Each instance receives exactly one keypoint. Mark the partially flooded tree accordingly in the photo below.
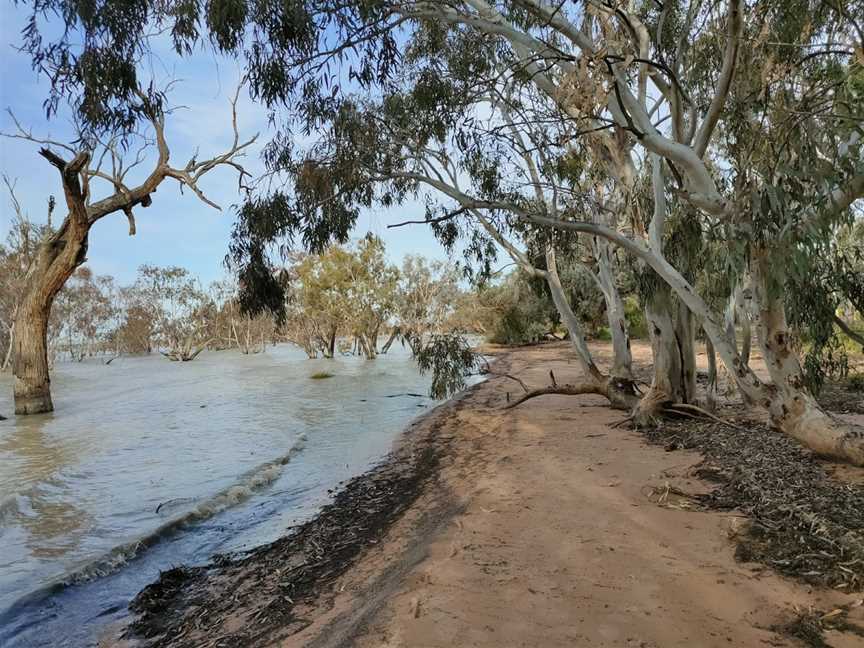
(424, 299)
(96, 183)
(180, 311)
(345, 291)
(228, 327)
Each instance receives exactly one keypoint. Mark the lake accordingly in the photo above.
(147, 464)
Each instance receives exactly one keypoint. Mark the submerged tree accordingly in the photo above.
(86, 169)
(424, 299)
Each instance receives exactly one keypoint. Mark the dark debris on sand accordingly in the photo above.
(803, 522)
(841, 397)
(809, 627)
(272, 583)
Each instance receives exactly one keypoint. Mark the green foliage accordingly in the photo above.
(450, 359)
(344, 291)
(519, 311)
(855, 382)
(635, 315)
(321, 375)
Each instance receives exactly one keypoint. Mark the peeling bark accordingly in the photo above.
(670, 326)
(792, 407)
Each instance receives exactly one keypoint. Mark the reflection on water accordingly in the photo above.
(181, 459)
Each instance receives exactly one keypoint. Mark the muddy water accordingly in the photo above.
(147, 464)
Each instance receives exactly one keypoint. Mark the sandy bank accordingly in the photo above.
(539, 526)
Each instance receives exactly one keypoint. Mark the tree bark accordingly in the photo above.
(671, 345)
(58, 257)
(331, 346)
(32, 390)
(685, 334)
(792, 407)
(8, 359)
(711, 388)
(622, 366)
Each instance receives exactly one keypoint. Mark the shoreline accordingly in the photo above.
(312, 555)
(547, 527)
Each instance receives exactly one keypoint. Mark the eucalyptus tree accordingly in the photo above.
(85, 311)
(425, 299)
(372, 290)
(95, 176)
(180, 310)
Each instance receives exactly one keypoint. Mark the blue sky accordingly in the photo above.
(177, 229)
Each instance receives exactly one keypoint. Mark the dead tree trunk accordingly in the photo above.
(63, 251)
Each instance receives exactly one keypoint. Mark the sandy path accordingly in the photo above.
(539, 533)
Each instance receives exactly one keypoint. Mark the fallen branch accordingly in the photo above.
(500, 375)
(564, 390)
(678, 407)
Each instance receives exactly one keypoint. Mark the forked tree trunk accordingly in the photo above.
(790, 404)
(618, 389)
(393, 335)
(58, 257)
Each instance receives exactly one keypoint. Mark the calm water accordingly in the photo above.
(147, 464)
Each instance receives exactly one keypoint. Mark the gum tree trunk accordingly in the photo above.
(670, 326)
(32, 381)
(58, 257)
(393, 335)
(790, 403)
(8, 359)
(685, 334)
(711, 388)
(618, 388)
(622, 366)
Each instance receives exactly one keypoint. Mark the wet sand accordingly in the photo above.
(531, 527)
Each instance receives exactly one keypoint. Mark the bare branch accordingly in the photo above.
(734, 27)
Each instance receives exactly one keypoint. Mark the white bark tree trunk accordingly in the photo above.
(622, 366)
(792, 407)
